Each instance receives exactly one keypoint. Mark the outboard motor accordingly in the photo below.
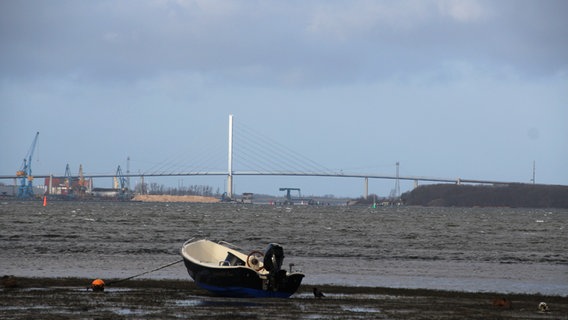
(273, 258)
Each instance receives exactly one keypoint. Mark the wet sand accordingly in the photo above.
(68, 298)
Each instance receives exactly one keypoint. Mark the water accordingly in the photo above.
(463, 249)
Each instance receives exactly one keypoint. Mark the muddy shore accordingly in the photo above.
(68, 298)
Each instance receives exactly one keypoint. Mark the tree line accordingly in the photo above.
(510, 195)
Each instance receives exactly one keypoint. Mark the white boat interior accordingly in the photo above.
(221, 255)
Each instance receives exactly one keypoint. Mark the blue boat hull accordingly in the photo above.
(243, 281)
(243, 292)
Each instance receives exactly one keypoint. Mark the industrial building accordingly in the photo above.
(67, 186)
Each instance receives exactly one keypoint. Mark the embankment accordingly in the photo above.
(169, 198)
(510, 195)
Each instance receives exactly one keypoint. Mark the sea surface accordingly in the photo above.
(507, 250)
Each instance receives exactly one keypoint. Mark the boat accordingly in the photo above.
(224, 270)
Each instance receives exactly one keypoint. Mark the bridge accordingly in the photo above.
(311, 169)
(365, 177)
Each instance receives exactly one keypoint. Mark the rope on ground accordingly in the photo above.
(143, 273)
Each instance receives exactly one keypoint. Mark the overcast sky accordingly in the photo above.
(470, 89)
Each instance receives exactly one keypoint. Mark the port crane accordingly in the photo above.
(68, 181)
(290, 200)
(289, 194)
(120, 183)
(82, 181)
(26, 190)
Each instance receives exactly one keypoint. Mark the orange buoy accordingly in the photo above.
(98, 285)
(502, 303)
(9, 282)
(44, 201)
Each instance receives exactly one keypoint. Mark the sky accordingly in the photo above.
(466, 89)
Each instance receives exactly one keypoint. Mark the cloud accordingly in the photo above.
(463, 10)
(364, 17)
(315, 43)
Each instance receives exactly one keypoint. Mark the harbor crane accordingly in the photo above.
(120, 183)
(25, 190)
(289, 195)
(68, 181)
(290, 200)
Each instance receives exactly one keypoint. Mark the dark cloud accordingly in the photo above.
(270, 43)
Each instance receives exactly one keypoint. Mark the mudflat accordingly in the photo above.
(69, 298)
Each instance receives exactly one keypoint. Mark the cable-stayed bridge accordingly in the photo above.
(251, 153)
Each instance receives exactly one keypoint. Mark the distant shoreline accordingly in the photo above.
(171, 198)
(515, 195)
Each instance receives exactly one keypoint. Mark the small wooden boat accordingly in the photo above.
(223, 270)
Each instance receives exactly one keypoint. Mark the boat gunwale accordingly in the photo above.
(211, 264)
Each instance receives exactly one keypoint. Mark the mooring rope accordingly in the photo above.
(143, 273)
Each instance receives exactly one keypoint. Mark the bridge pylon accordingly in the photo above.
(230, 160)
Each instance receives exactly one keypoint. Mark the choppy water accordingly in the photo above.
(476, 249)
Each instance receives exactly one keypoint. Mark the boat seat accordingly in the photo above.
(232, 260)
